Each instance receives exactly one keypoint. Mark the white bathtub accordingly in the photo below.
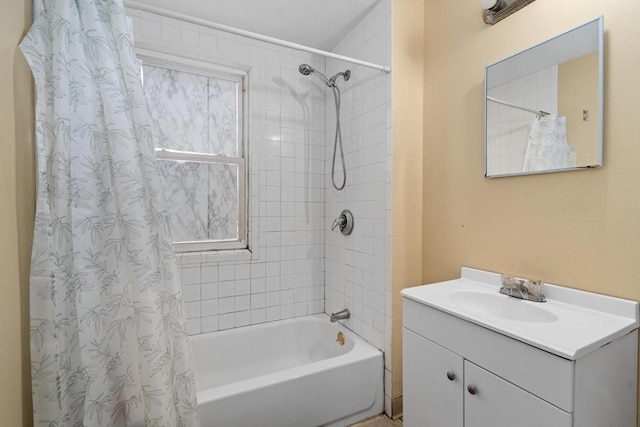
(290, 373)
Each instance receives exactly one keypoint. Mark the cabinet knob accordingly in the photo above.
(472, 389)
(451, 376)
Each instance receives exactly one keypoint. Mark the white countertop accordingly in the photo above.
(570, 324)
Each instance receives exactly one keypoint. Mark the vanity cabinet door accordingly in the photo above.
(491, 401)
(432, 384)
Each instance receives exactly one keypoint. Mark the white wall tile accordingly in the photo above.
(242, 303)
(272, 298)
(209, 291)
(243, 287)
(192, 309)
(226, 305)
(226, 272)
(191, 275)
(242, 271)
(209, 307)
(209, 324)
(286, 311)
(357, 270)
(209, 273)
(226, 289)
(242, 318)
(356, 264)
(193, 326)
(258, 301)
(258, 316)
(273, 313)
(191, 292)
(227, 321)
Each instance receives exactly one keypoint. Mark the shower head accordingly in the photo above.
(305, 69)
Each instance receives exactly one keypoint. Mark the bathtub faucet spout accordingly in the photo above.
(342, 314)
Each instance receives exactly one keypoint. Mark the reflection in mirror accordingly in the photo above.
(543, 107)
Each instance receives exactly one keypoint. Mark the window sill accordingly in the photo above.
(184, 258)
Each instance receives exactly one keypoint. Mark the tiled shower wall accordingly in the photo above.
(358, 266)
(283, 275)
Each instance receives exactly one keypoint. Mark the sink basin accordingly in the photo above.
(502, 306)
(570, 324)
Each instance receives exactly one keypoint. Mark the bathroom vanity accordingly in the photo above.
(473, 357)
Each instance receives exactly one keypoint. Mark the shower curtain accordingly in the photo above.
(547, 147)
(109, 345)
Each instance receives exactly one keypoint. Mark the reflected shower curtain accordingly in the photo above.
(109, 345)
(547, 147)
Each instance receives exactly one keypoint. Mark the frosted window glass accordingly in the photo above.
(202, 200)
(223, 117)
(223, 202)
(187, 198)
(194, 113)
(178, 103)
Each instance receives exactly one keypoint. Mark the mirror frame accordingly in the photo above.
(599, 24)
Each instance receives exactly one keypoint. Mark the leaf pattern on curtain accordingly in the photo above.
(109, 345)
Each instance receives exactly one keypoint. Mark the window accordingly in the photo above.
(201, 112)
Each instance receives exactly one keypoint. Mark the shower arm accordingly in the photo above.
(327, 81)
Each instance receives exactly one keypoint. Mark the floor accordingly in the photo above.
(379, 421)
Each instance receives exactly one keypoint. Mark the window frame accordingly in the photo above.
(171, 62)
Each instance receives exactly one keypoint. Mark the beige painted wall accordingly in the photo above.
(577, 91)
(408, 69)
(580, 229)
(17, 205)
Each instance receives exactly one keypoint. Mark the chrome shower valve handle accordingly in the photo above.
(344, 221)
(340, 221)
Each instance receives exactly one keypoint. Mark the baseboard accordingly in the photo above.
(396, 407)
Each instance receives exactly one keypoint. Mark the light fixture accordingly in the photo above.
(493, 5)
(497, 10)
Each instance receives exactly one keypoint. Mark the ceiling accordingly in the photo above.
(316, 23)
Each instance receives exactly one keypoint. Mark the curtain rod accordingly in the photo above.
(538, 113)
(255, 36)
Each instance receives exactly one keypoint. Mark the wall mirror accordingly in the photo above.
(544, 106)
